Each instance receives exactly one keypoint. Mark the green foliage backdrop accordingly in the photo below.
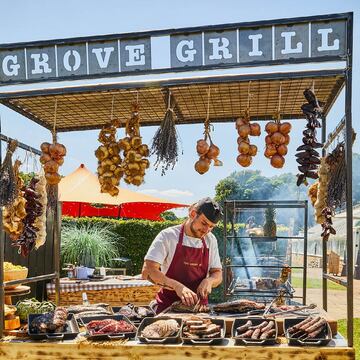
(133, 237)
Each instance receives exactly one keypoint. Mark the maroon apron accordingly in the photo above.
(189, 266)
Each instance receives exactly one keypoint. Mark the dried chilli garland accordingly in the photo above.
(165, 141)
(307, 156)
(34, 209)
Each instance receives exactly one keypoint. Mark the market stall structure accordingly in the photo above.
(319, 39)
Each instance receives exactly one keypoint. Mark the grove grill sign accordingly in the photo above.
(220, 46)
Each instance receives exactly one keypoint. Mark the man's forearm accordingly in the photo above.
(216, 278)
(158, 278)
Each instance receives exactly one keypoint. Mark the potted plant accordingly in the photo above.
(88, 245)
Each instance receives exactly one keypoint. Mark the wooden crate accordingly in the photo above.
(139, 295)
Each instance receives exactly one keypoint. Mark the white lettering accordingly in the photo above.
(40, 66)
(103, 61)
(325, 41)
(288, 49)
(187, 54)
(217, 48)
(77, 59)
(10, 69)
(136, 54)
(255, 45)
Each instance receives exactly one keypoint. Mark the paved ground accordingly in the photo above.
(336, 298)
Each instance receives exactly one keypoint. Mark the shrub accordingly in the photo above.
(87, 244)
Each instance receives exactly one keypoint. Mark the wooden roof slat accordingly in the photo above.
(228, 100)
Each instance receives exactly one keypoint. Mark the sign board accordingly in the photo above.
(235, 45)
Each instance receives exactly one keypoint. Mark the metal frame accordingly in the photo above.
(347, 122)
(55, 275)
(194, 29)
(234, 205)
(209, 79)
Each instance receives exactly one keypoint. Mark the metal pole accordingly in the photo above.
(224, 254)
(349, 209)
(2, 242)
(305, 250)
(56, 234)
(324, 243)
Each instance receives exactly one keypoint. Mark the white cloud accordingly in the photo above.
(174, 193)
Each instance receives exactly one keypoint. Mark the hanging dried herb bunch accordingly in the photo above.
(337, 176)
(8, 184)
(14, 214)
(165, 142)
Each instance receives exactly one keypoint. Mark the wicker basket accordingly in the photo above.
(19, 274)
(138, 295)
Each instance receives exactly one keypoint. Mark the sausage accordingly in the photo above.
(255, 334)
(268, 334)
(316, 325)
(246, 334)
(244, 327)
(313, 334)
(268, 327)
(310, 323)
(260, 326)
(296, 327)
(213, 335)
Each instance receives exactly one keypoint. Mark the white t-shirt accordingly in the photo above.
(163, 247)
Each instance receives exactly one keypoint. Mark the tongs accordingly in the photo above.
(292, 311)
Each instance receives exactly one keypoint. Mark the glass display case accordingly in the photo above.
(265, 249)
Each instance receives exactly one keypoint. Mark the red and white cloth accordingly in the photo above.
(67, 285)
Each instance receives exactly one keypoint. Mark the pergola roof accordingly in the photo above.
(90, 107)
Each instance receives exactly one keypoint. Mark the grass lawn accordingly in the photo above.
(296, 282)
(342, 331)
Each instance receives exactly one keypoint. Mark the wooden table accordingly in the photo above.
(71, 350)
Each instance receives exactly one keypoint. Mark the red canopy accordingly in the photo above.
(139, 210)
(81, 196)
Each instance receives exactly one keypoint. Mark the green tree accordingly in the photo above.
(169, 215)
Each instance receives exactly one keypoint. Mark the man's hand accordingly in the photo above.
(187, 296)
(205, 287)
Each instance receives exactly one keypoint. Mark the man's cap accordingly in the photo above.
(210, 208)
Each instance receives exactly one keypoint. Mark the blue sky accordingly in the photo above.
(40, 20)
